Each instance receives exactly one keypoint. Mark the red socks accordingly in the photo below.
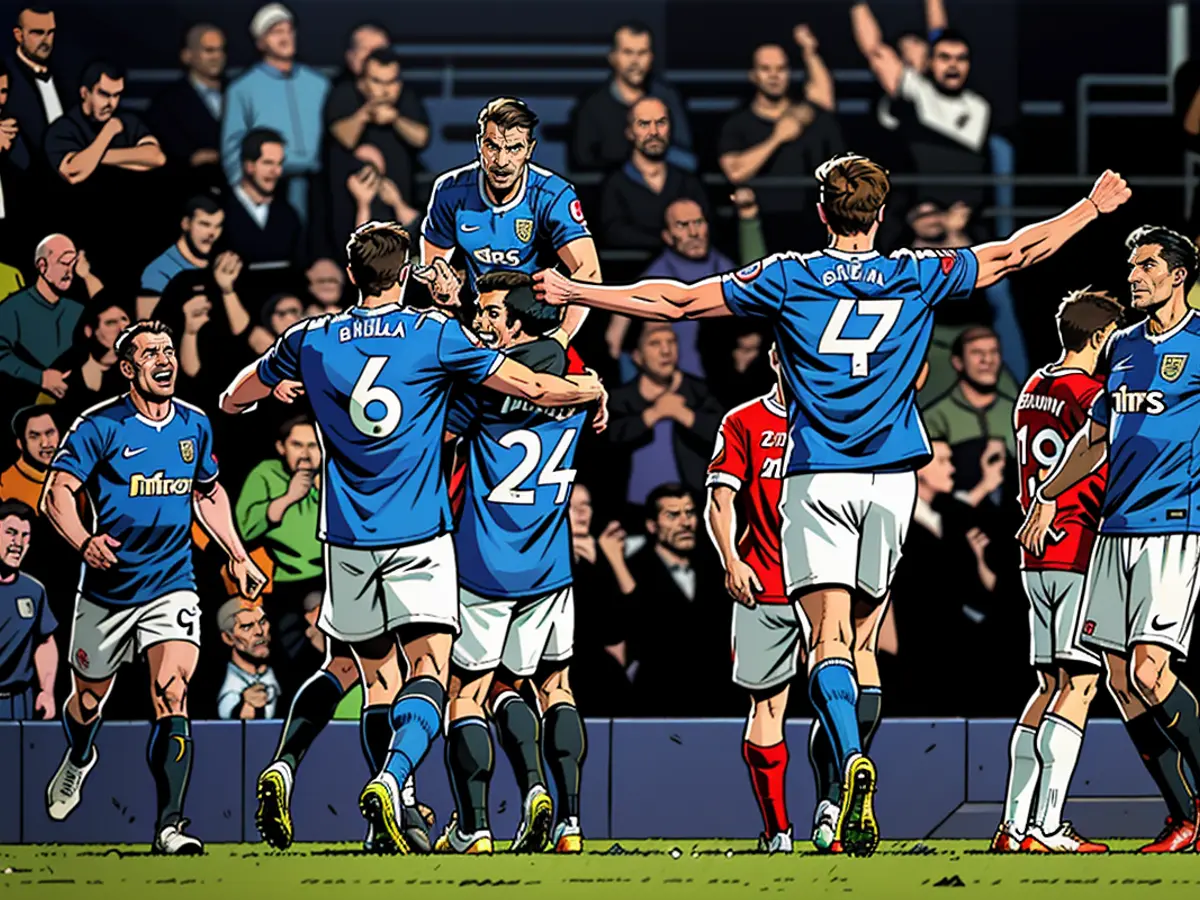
(768, 766)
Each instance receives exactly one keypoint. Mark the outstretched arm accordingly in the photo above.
(1034, 243)
(659, 300)
(883, 60)
(245, 391)
(936, 19)
(515, 378)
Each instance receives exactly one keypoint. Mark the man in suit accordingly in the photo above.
(38, 92)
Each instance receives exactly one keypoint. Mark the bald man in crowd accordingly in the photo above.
(186, 115)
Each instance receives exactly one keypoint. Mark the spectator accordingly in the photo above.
(28, 653)
(95, 134)
(945, 538)
(281, 95)
(37, 441)
(94, 374)
(201, 227)
(950, 128)
(599, 121)
(975, 417)
(635, 197)
(775, 136)
(666, 419)
(186, 115)
(279, 508)
(380, 111)
(678, 591)
(14, 174)
(250, 689)
(279, 313)
(326, 288)
(257, 228)
(364, 40)
(370, 195)
(38, 322)
(913, 48)
(210, 305)
(11, 280)
(938, 228)
(38, 92)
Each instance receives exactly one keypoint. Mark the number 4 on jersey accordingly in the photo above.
(859, 349)
(509, 490)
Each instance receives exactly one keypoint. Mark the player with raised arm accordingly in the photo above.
(502, 212)
(515, 600)
(378, 377)
(1045, 743)
(852, 328)
(1142, 585)
(145, 463)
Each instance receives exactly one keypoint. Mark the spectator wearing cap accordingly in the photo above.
(599, 120)
(28, 654)
(37, 323)
(634, 198)
(260, 227)
(279, 313)
(37, 438)
(250, 689)
(280, 94)
(201, 227)
(186, 115)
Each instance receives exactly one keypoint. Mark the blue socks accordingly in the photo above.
(833, 690)
(417, 719)
(80, 737)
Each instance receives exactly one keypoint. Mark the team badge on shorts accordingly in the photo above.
(25, 607)
(81, 659)
(1172, 366)
(187, 449)
(750, 272)
(524, 229)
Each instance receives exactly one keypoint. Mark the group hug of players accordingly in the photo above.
(450, 623)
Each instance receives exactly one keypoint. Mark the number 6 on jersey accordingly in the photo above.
(366, 392)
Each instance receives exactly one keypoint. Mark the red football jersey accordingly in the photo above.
(749, 458)
(1053, 406)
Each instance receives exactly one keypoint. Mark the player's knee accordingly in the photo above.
(344, 670)
(1147, 672)
(170, 690)
(769, 705)
(1081, 686)
(90, 700)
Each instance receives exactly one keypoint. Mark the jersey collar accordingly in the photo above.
(157, 426)
(1051, 371)
(481, 183)
(773, 405)
(1179, 326)
(849, 256)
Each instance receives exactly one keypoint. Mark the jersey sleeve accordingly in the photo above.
(563, 221)
(207, 469)
(438, 225)
(730, 464)
(946, 274)
(282, 361)
(82, 449)
(758, 290)
(458, 355)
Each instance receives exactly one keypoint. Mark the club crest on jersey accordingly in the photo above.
(187, 450)
(524, 228)
(947, 265)
(1172, 366)
(750, 272)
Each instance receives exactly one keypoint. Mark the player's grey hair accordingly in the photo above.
(228, 611)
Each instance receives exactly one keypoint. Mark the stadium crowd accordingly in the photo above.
(222, 212)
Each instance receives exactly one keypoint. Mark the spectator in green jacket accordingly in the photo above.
(278, 509)
(975, 417)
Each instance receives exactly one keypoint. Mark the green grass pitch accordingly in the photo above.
(941, 869)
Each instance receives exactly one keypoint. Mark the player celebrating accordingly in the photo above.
(144, 460)
(852, 328)
(514, 556)
(1140, 596)
(1045, 742)
(505, 213)
(378, 377)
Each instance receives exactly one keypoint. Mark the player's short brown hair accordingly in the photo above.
(502, 280)
(507, 113)
(378, 256)
(1083, 313)
(853, 190)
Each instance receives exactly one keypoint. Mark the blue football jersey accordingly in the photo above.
(1151, 408)
(513, 537)
(138, 476)
(378, 380)
(852, 330)
(522, 235)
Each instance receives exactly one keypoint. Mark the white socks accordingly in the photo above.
(1023, 770)
(1058, 743)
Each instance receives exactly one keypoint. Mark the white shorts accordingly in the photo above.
(516, 632)
(371, 592)
(103, 637)
(845, 528)
(766, 645)
(1055, 603)
(1141, 590)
